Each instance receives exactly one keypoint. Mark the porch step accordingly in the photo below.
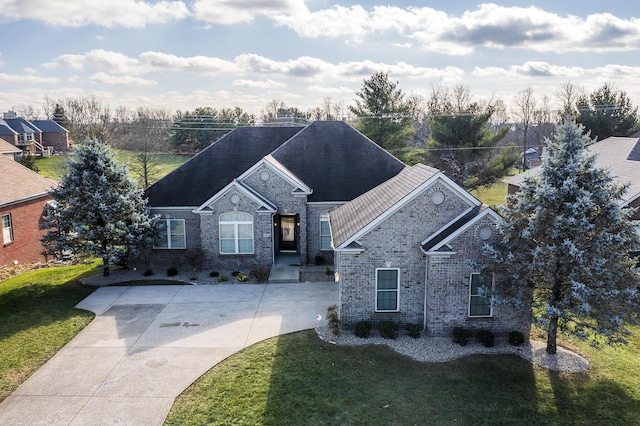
(284, 274)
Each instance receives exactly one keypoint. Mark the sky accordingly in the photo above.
(183, 54)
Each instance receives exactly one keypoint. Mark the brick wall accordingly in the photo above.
(59, 141)
(26, 218)
(313, 233)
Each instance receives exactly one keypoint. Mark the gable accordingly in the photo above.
(336, 161)
(215, 167)
(239, 189)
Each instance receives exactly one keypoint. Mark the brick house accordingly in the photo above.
(38, 137)
(23, 196)
(409, 251)
(405, 241)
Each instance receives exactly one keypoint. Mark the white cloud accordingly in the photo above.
(103, 78)
(229, 12)
(258, 84)
(111, 13)
(29, 79)
(198, 64)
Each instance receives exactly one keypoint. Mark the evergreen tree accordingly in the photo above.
(384, 114)
(608, 112)
(98, 209)
(29, 161)
(566, 241)
(463, 143)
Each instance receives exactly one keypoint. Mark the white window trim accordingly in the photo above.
(397, 291)
(324, 217)
(184, 237)
(9, 229)
(493, 283)
(235, 224)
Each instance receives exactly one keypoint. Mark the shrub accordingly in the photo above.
(214, 274)
(328, 272)
(516, 338)
(413, 330)
(486, 338)
(261, 273)
(461, 336)
(319, 260)
(222, 278)
(388, 329)
(235, 273)
(333, 320)
(148, 273)
(194, 256)
(363, 328)
(242, 277)
(172, 271)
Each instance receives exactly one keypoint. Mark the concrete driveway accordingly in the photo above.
(148, 343)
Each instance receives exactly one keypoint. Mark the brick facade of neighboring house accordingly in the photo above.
(425, 231)
(23, 196)
(36, 137)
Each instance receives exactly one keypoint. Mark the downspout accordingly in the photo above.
(426, 281)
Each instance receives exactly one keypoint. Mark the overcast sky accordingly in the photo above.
(225, 53)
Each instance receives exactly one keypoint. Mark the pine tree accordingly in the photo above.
(566, 241)
(98, 209)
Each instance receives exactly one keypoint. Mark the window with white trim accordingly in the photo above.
(480, 289)
(387, 290)
(7, 229)
(325, 231)
(171, 234)
(236, 233)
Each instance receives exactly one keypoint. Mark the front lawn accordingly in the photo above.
(297, 379)
(37, 318)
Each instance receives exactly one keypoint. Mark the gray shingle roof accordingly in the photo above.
(204, 175)
(336, 161)
(619, 155)
(19, 183)
(6, 147)
(5, 129)
(349, 219)
(49, 126)
(21, 125)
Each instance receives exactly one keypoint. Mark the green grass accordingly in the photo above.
(37, 318)
(53, 167)
(297, 379)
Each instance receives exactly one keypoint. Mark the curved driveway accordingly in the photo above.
(148, 343)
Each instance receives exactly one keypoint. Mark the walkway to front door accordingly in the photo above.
(286, 268)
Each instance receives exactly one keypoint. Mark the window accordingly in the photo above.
(387, 289)
(480, 287)
(172, 234)
(325, 231)
(7, 229)
(236, 233)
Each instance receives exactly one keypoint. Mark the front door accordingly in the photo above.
(288, 236)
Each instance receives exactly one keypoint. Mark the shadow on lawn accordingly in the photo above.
(314, 382)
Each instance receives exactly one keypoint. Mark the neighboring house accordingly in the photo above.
(409, 251)
(23, 196)
(8, 150)
(407, 240)
(261, 191)
(38, 137)
(621, 156)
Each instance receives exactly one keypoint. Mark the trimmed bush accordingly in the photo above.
(486, 338)
(333, 320)
(261, 273)
(222, 278)
(362, 329)
(172, 271)
(214, 274)
(413, 330)
(242, 277)
(388, 329)
(235, 273)
(461, 336)
(148, 273)
(516, 338)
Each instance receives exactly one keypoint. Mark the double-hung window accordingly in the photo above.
(480, 288)
(236, 233)
(325, 231)
(171, 234)
(387, 290)
(7, 229)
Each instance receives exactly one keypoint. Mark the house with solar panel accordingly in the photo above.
(405, 242)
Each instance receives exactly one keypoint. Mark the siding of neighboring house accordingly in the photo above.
(26, 217)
